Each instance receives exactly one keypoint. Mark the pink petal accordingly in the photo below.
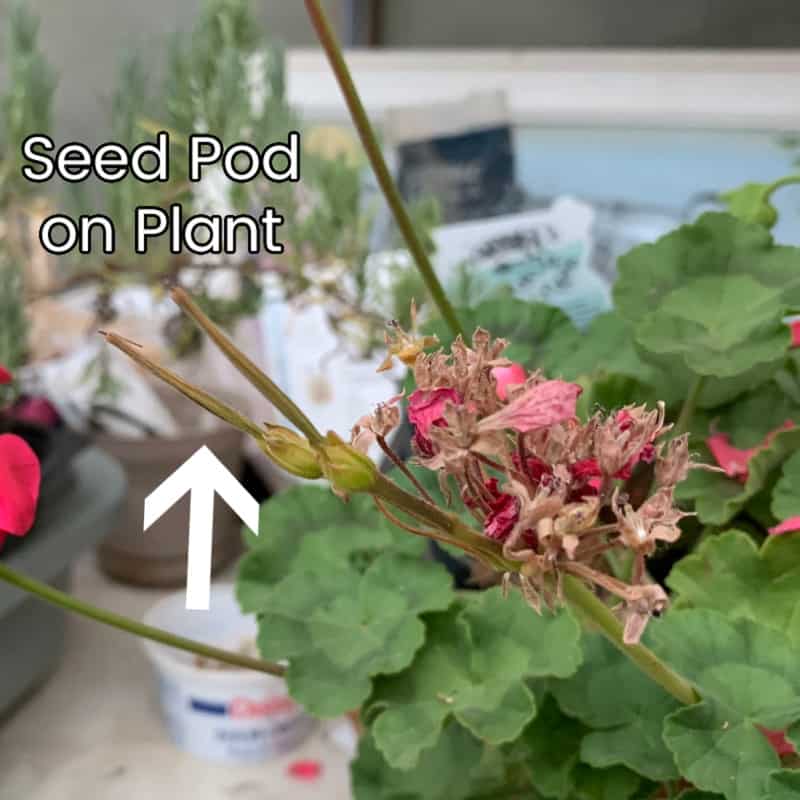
(795, 326)
(20, 476)
(36, 410)
(506, 377)
(425, 408)
(732, 459)
(306, 770)
(787, 526)
(778, 740)
(544, 404)
(5, 376)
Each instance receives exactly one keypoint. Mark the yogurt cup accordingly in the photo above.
(226, 715)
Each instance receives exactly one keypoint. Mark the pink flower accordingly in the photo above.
(506, 377)
(541, 406)
(5, 376)
(735, 460)
(778, 741)
(787, 526)
(426, 409)
(37, 411)
(20, 476)
(795, 326)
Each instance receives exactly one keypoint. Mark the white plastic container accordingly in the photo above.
(231, 715)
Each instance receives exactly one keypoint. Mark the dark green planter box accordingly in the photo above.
(31, 631)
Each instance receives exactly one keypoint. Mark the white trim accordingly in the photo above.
(753, 89)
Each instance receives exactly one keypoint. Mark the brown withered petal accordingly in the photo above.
(641, 604)
(674, 465)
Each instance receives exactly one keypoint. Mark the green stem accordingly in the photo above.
(595, 611)
(248, 369)
(781, 182)
(333, 50)
(63, 600)
(456, 531)
(689, 405)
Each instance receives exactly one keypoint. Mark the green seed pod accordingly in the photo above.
(291, 452)
(348, 469)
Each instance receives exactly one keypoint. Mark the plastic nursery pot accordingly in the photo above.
(65, 526)
(216, 712)
(158, 557)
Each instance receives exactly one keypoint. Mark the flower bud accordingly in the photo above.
(291, 452)
(345, 467)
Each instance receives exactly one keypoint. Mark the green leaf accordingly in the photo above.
(750, 203)
(339, 627)
(716, 245)
(539, 334)
(730, 574)
(784, 785)
(444, 772)
(626, 725)
(552, 743)
(606, 346)
(616, 783)
(719, 327)
(696, 794)
(786, 497)
(747, 675)
(472, 668)
(756, 414)
(719, 751)
(335, 532)
(718, 498)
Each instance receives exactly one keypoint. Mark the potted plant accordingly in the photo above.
(568, 687)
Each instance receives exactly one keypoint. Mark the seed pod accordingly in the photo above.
(345, 467)
(291, 452)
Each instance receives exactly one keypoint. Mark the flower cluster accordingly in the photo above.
(552, 490)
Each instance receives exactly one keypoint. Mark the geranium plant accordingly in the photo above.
(556, 681)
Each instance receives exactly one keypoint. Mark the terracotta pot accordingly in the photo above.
(158, 557)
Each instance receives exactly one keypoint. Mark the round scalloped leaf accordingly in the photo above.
(719, 751)
(339, 627)
(472, 668)
(730, 574)
(716, 245)
(719, 327)
(747, 675)
(552, 745)
(625, 726)
(445, 772)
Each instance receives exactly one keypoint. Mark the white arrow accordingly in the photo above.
(201, 475)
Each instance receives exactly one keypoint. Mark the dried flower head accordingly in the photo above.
(549, 488)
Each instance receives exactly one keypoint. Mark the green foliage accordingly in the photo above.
(472, 668)
(786, 496)
(625, 727)
(340, 599)
(26, 106)
(747, 676)
(730, 574)
(718, 498)
(14, 327)
(750, 203)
